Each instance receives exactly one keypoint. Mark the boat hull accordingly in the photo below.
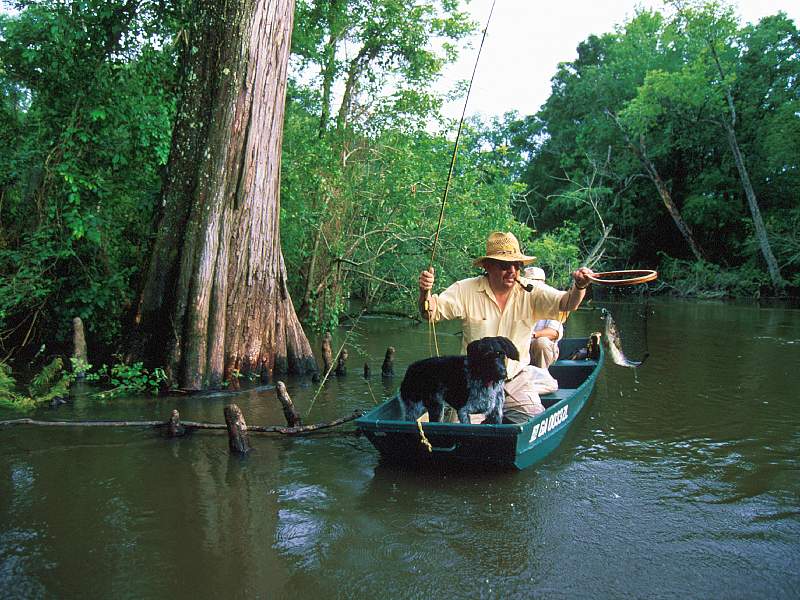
(513, 446)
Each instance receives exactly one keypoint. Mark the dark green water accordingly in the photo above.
(679, 481)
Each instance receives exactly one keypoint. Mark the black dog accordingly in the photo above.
(470, 384)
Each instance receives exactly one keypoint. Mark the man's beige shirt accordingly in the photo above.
(473, 301)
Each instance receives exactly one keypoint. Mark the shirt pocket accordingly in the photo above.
(475, 329)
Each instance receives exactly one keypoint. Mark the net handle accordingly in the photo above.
(630, 277)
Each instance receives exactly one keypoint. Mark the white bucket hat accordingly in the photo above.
(535, 273)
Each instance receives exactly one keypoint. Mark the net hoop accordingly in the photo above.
(630, 277)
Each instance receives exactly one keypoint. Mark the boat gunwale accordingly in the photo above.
(488, 430)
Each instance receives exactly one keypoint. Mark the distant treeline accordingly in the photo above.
(639, 158)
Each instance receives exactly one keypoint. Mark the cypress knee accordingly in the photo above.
(327, 353)
(238, 439)
(79, 352)
(292, 418)
(341, 367)
(388, 363)
(174, 427)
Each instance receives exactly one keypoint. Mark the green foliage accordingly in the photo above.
(8, 396)
(89, 97)
(360, 200)
(50, 383)
(127, 379)
(366, 230)
(395, 49)
(673, 83)
(53, 381)
(706, 280)
(559, 254)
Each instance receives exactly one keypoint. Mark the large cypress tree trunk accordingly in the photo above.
(215, 300)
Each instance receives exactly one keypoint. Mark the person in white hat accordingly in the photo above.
(496, 304)
(546, 332)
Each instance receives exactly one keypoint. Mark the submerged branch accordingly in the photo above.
(188, 425)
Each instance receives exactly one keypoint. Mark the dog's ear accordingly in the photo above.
(508, 347)
(472, 347)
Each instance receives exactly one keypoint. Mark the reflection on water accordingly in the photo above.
(679, 479)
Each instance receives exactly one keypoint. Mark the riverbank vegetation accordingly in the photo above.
(670, 143)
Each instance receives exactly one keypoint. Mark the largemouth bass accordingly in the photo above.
(614, 344)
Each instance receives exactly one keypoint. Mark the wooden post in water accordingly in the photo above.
(174, 427)
(366, 370)
(341, 367)
(327, 353)
(79, 352)
(292, 418)
(238, 440)
(388, 363)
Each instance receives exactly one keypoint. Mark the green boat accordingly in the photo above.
(507, 445)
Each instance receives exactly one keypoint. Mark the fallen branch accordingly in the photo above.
(188, 425)
(301, 429)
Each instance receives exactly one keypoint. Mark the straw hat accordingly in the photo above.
(503, 245)
(535, 273)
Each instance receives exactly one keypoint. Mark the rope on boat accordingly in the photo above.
(423, 439)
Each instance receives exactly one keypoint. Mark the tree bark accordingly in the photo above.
(652, 173)
(174, 427)
(327, 352)
(238, 440)
(761, 231)
(215, 299)
(387, 370)
(289, 411)
(341, 362)
(354, 70)
(666, 198)
(79, 351)
(729, 125)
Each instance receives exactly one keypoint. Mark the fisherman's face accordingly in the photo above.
(502, 275)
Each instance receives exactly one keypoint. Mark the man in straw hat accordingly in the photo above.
(496, 305)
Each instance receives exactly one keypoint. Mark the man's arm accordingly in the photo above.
(572, 300)
(546, 332)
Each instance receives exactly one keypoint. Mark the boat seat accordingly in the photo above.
(549, 399)
(572, 363)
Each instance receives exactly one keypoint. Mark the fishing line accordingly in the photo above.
(458, 136)
(334, 361)
(432, 326)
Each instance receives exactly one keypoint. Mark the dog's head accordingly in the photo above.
(487, 358)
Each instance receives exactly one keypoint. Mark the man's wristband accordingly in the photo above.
(577, 287)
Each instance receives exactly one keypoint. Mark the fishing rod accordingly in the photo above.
(450, 171)
(458, 137)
